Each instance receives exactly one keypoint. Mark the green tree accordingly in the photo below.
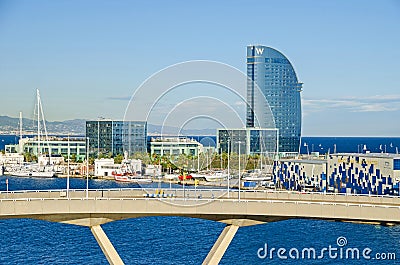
(252, 162)
(27, 157)
(118, 159)
(145, 157)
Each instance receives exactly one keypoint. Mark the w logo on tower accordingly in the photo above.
(259, 51)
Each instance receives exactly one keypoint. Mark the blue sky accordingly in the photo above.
(85, 56)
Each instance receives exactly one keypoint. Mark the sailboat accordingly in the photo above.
(35, 169)
(264, 173)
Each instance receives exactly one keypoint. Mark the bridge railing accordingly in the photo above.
(198, 202)
(199, 194)
(205, 189)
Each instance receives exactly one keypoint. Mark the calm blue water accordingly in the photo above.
(349, 144)
(325, 144)
(176, 240)
(315, 144)
(8, 139)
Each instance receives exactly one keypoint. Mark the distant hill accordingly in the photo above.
(9, 125)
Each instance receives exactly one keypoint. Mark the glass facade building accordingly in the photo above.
(251, 140)
(115, 137)
(272, 72)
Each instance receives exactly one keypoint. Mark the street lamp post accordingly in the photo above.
(87, 169)
(229, 169)
(239, 142)
(183, 184)
(68, 168)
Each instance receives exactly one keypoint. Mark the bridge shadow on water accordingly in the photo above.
(178, 240)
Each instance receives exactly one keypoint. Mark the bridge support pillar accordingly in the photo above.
(106, 245)
(221, 245)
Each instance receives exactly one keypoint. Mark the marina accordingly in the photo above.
(199, 132)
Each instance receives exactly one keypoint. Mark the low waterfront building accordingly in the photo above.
(297, 174)
(116, 137)
(369, 173)
(107, 167)
(250, 141)
(175, 146)
(364, 173)
(53, 145)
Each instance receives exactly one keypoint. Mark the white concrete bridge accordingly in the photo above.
(95, 207)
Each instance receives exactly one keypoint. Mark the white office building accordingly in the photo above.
(175, 146)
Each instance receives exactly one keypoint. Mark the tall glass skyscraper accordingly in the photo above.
(272, 72)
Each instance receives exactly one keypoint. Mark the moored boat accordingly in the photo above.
(30, 170)
(36, 174)
(216, 176)
(124, 177)
(257, 178)
(171, 177)
(210, 176)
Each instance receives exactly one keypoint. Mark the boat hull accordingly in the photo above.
(132, 179)
(32, 174)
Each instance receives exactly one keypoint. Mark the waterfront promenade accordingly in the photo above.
(92, 208)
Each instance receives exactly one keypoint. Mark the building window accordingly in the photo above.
(396, 164)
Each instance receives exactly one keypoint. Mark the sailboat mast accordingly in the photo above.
(20, 125)
(261, 152)
(45, 130)
(38, 121)
(68, 157)
(198, 158)
(20, 132)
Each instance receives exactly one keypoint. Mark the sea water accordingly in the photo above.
(178, 240)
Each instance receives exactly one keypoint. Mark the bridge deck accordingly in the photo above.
(95, 207)
(254, 206)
